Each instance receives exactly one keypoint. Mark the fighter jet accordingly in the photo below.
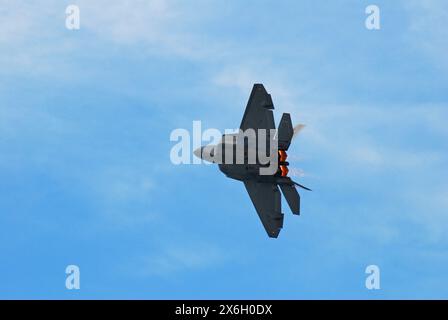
(262, 186)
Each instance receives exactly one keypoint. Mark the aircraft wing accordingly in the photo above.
(267, 201)
(258, 113)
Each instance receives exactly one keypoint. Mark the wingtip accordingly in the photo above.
(274, 234)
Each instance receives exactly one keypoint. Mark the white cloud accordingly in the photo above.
(180, 259)
(427, 29)
(152, 25)
(124, 183)
(428, 208)
(349, 136)
(378, 136)
(121, 191)
(36, 40)
(20, 20)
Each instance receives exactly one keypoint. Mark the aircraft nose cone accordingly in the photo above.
(198, 152)
(205, 153)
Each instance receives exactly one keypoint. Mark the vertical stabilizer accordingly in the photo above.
(285, 132)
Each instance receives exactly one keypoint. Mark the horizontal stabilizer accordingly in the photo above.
(292, 197)
(266, 198)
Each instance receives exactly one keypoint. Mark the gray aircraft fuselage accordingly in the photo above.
(259, 163)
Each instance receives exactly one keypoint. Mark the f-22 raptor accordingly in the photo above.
(263, 187)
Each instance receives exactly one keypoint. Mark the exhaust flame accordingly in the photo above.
(283, 165)
(282, 155)
(284, 170)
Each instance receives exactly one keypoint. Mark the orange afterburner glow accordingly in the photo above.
(282, 161)
(284, 170)
(282, 155)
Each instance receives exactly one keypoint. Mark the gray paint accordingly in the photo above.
(263, 190)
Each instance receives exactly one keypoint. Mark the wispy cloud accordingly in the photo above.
(378, 167)
(179, 259)
(427, 28)
(153, 26)
(359, 133)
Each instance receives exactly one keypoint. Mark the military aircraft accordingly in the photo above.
(262, 186)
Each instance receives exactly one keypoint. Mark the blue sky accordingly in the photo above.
(85, 174)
